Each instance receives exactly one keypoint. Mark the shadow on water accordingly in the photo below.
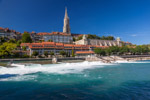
(131, 90)
(7, 76)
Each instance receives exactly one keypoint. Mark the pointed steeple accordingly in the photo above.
(66, 28)
(66, 14)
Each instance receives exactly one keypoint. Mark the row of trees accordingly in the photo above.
(124, 50)
(91, 36)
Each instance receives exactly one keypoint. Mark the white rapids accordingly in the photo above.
(61, 68)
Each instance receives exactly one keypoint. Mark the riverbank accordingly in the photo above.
(104, 59)
(113, 59)
(37, 59)
(5, 62)
(136, 57)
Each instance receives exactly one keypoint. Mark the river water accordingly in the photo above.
(76, 81)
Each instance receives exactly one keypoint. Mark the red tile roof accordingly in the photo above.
(68, 45)
(1, 28)
(56, 45)
(53, 33)
(84, 52)
(59, 44)
(48, 42)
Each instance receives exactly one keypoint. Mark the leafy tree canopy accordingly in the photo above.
(26, 38)
(51, 53)
(6, 49)
(35, 53)
(46, 53)
(62, 53)
(91, 36)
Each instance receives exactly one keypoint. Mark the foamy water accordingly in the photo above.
(61, 68)
(93, 80)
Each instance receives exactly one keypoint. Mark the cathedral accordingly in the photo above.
(67, 37)
(58, 41)
(59, 37)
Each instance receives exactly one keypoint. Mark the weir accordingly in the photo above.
(104, 59)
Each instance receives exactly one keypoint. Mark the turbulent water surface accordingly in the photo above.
(73, 81)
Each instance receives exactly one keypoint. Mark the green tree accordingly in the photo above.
(138, 50)
(110, 38)
(50, 40)
(12, 41)
(16, 54)
(72, 53)
(25, 56)
(132, 51)
(46, 53)
(91, 36)
(62, 53)
(18, 43)
(107, 38)
(51, 53)
(100, 51)
(2, 40)
(79, 38)
(24, 48)
(6, 50)
(124, 50)
(26, 38)
(74, 39)
(145, 49)
(35, 53)
(108, 51)
(103, 38)
(114, 49)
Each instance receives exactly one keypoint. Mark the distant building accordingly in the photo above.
(35, 37)
(84, 53)
(57, 47)
(56, 37)
(98, 42)
(10, 34)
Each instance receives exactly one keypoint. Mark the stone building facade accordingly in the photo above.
(58, 37)
(98, 42)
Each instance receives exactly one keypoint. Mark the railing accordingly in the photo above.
(134, 56)
(32, 59)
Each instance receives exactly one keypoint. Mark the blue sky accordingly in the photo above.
(128, 19)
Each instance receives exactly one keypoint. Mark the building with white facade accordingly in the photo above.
(59, 37)
(98, 42)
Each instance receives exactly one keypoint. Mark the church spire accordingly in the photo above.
(66, 14)
(66, 28)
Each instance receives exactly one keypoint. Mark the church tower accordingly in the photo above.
(66, 28)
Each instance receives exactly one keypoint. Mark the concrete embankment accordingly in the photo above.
(136, 57)
(109, 59)
(36, 59)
